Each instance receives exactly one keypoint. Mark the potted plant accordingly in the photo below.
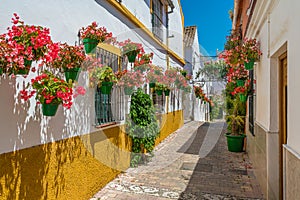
(70, 59)
(243, 91)
(131, 49)
(153, 75)
(92, 35)
(232, 54)
(159, 88)
(141, 126)
(239, 75)
(181, 83)
(143, 59)
(251, 52)
(235, 139)
(131, 80)
(51, 91)
(3, 50)
(103, 77)
(27, 43)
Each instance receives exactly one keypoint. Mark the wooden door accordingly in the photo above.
(282, 114)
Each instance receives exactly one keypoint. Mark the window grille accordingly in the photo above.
(251, 105)
(110, 107)
(157, 19)
(158, 102)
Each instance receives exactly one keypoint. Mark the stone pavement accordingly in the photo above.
(192, 163)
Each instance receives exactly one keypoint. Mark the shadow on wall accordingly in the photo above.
(38, 172)
(23, 124)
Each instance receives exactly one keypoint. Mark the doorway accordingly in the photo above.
(283, 102)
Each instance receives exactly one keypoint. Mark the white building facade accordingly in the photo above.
(24, 129)
(194, 108)
(274, 146)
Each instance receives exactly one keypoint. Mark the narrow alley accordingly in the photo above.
(192, 163)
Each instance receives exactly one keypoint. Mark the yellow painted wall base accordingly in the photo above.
(169, 123)
(74, 168)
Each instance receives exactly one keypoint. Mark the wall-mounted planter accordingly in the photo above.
(72, 74)
(249, 65)
(106, 87)
(89, 44)
(49, 109)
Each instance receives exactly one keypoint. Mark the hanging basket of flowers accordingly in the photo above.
(131, 49)
(51, 91)
(251, 52)
(131, 80)
(25, 44)
(103, 77)
(92, 35)
(70, 60)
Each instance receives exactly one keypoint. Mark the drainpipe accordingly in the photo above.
(167, 43)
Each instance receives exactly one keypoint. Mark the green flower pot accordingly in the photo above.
(128, 90)
(106, 87)
(249, 65)
(243, 98)
(151, 85)
(49, 109)
(72, 74)
(1, 70)
(235, 143)
(131, 56)
(240, 82)
(167, 92)
(159, 92)
(90, 44)
(24, 71)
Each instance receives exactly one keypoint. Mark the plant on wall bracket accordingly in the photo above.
(142, 127)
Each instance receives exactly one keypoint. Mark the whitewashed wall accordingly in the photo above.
(194, 108)
(22, 124)
(142, 12)
(283, 28)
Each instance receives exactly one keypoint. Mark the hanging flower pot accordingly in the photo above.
(128, 90)
(167, 92)
(243, 98)
(151, 85)
(240, 82)
(159, 92)
(49, 109)
(90, 44)
(131, 55)
(106, 87)
(249, 65)
(72, 73)
(25, 70)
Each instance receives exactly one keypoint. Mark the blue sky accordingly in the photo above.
(212, 20)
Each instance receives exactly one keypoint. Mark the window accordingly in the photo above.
(158, 102)
(110, 108)
(157, 19)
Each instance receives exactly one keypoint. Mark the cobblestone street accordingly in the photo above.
(192, 163)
